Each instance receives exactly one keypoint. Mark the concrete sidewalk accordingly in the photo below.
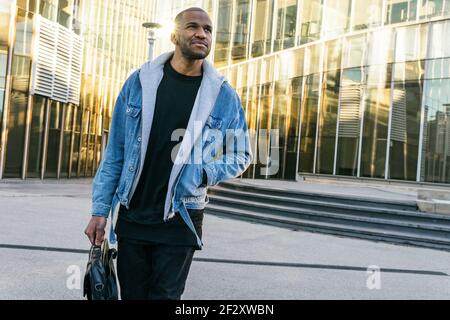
(240, 260)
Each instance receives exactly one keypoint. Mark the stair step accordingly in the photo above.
(338, 218)
(367, 201)
(335, 207)
(377, 234)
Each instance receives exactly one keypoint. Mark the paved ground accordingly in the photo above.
(240, 260)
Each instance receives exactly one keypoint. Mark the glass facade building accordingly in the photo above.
(352, 88)
(357, 88)
(44, 134)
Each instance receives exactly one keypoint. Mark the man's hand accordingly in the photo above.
(96, 230)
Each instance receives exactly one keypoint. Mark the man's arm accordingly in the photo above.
(108, 174)
(231, 164)
(107, 177)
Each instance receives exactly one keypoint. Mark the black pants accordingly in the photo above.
(152, 271)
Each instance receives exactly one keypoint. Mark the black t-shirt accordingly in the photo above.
(144, 220)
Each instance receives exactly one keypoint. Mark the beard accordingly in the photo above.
(191, 54)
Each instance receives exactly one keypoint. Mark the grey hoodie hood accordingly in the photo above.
(151, 74)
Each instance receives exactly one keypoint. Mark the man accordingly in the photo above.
(161, 184)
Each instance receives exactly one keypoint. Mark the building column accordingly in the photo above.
(8, 87)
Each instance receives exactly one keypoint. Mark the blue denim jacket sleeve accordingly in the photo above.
(232, 164)
(106, 179)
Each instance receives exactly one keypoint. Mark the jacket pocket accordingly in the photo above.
(214, 122)
(212, 138)
(133, 111)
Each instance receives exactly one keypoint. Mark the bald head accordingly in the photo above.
(192, 35)
(180, 18)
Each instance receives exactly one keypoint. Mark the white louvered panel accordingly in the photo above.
(62, 67)
(45, 57)
(349, 112)
(57, 66)
(76, 64)
(398, 126)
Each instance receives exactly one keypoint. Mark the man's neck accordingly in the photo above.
(185, 66)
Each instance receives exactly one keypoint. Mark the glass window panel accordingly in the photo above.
(313, 59)
(375, 129)
(381, 47)
(242, 74)
(431, 8)
(37, 133)
(354, 51)
(54, 135)
(28, 5)
(265, 114)
(327, 122)
(336, 17)
(223, 35)
(24, 32)
(232, 75)
(311, 21)
(437, 68)
(251, 114)
(293, 129)
(446, 9)
(411, 43)
(286, 24)
(367, 14)
(409, 71)
(280, 122)
(401, 11)
(440, 46)
(65, 8)
(309, 124)
(262, 31)
(16, 134)
(405, 130)
(3, 64)
(48, 9)
(240, 35)
(349, 122)
(98, 154)
(290, 64)
(67, 138)
(436, 140)
(4, 25)
(267, 70)
(77, 17)
(333, 54)
(20, 72)
(84, 143)
(91, 144)
(76, 142)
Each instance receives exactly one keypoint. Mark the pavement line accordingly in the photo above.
(38, 248)
(246, 262)
(320, 266)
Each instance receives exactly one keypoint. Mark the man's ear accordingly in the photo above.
(174, 38)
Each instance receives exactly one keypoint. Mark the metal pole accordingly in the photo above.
(151, 26)
(151, 43)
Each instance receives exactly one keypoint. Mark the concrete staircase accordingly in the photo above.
(345, 215)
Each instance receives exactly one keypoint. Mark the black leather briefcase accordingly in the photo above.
(100, 282)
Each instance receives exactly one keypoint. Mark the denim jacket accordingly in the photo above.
(217, 121)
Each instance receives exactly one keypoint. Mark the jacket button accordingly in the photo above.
(131, 169)
(128, 110)
(139, 139)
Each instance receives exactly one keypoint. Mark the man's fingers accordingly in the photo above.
(90, 234)
(99, 233)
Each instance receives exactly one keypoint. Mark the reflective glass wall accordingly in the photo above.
(45, 138)
(358, 88)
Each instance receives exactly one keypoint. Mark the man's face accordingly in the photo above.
(194, 35)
